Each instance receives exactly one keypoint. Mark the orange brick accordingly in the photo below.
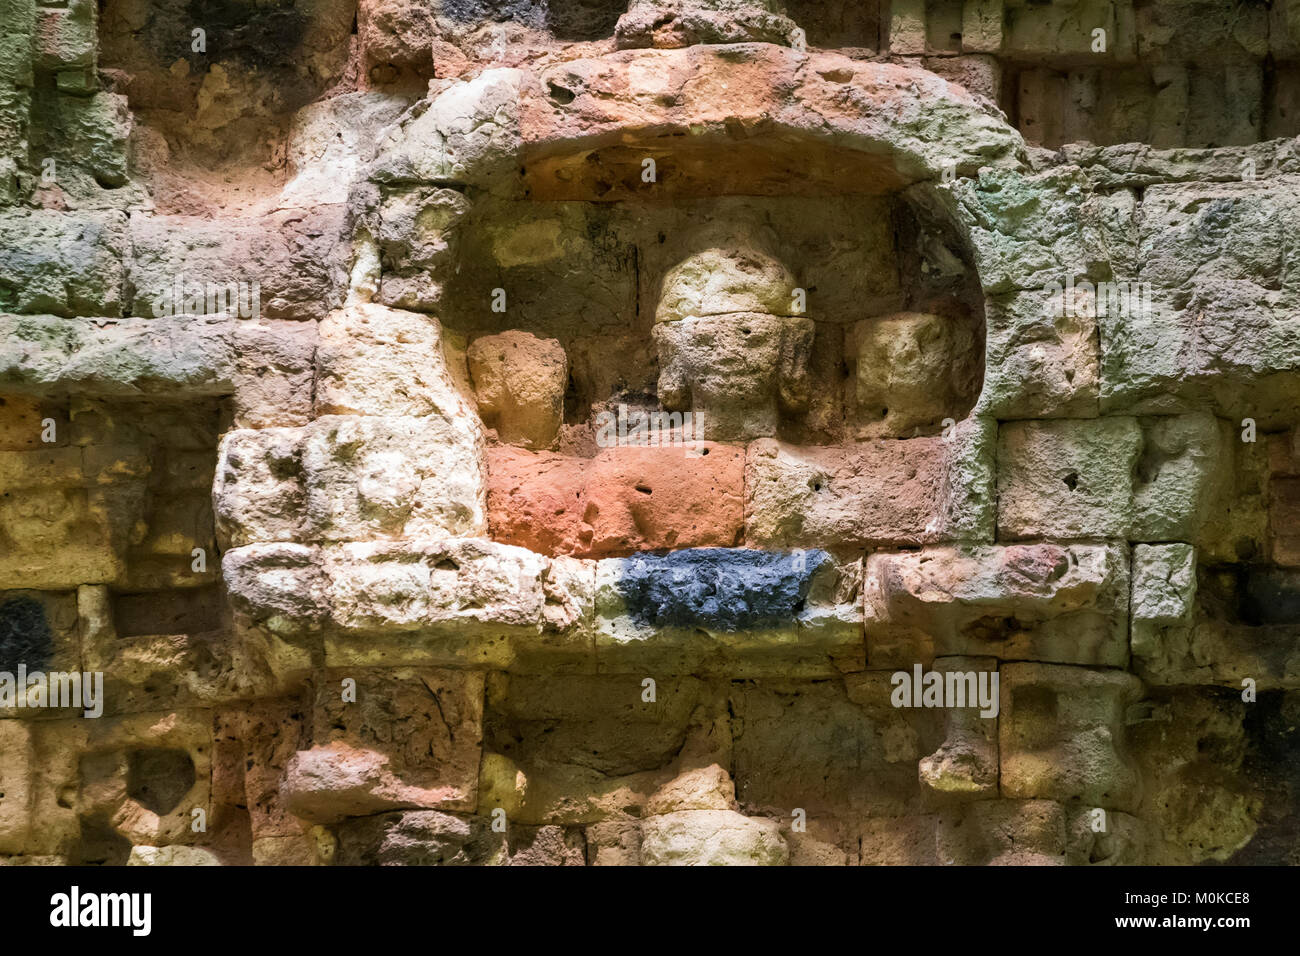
(622, 501)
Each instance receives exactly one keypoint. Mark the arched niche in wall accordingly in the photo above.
(650, 176)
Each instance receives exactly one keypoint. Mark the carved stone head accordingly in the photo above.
(731, 348)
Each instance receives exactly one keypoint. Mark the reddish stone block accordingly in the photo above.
(622, 501)
(1284, 521)
(1284, 453)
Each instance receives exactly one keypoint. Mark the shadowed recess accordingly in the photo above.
(159, 778)
(24, 635)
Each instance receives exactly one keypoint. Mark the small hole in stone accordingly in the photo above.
(1071, 480)
(561, 95)
(159, 778)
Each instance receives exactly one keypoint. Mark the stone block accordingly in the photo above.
(62, 533)
(625, 500)
(1067, 479)
(719, 608)
(1049, 602)
(330, 143)
(16, 758)
(584, 749)
(467, 134)
(1164, 592)
(1220, 328)
(373, 360)
(913, 371)
(1178, 477)
(1042, 357)
(981, 26)
(1243, 628)
(65, 36)
(520, 381)
(1063, 735)
(172, 856)
(394, 477)
(1003, 833)
(907, 27)
(64, 264)
(285, 398)
(94, 134)
(455, 602)
(279, 586)
(834, 749)
(711, 838)
(1022, 228)
(141, 775)
(685, 23)
(1199, 799)
(899, 841)
(614, 843)
(293, 256)
(258, 492)
(39, 629)
(253, 743)
(410, 740)
(965, 766)
(418, 838)
(417, 234)
(870, 493)
(1284, 520)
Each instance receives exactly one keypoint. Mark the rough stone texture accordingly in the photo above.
(1164, 593)
(408, 739)
(182, 357)
(872, 493)
(62, 263)
(1042, 357)
(377, 361)
(1062, 735)
(357, 477)
(519, 381)
(1048, 602)
(1222, 327)
(1065, 479)
(293, 256)
(966, 764)
(622, 501)
(910, 372)
(730, 349)
(706, 608)
(711, 838)
(615, 400)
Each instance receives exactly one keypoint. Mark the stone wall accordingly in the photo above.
(608, 432)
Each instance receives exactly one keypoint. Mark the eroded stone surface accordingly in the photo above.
(1048, 602)
(622, 501)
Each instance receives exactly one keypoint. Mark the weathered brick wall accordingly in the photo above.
(587, 433)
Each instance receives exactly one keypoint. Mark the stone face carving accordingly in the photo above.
(730, 349)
